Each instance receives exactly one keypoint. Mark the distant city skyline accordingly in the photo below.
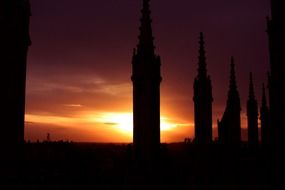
(79, 66)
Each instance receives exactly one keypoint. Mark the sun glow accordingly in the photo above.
(124, 121)
(93, 126)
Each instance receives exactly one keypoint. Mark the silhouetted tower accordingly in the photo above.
(229, 128)
(14, 40)
(252, 116)
(265, 120)
(276, 34)
(203, 100)
(146, 92)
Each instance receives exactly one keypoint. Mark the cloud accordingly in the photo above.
(110, 123)
(73, 105)
(123, 89)
(79, 84)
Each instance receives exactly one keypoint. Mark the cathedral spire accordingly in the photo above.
(14, 36)
(252, 116)
(146, 77)
(202, 100)
(265, 120)
(229, 128)
(202, 70)
(263, 101)
(146, 46)
(276, 33)
(233, 85)
(251, 95)
(277, 10)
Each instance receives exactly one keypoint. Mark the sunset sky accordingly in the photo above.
(79, 65)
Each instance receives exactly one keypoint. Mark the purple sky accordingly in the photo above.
(81, 53)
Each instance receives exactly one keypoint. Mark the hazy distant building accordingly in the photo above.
(229, 128)
(146, 79)
(264, 120)
(252, 116)
(203, 100)
(276, 33)
(14, 40)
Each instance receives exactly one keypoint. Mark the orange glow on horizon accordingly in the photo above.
(124, 121)
(117, 126)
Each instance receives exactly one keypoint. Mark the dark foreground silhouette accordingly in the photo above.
(61, 165)
(146, 165)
